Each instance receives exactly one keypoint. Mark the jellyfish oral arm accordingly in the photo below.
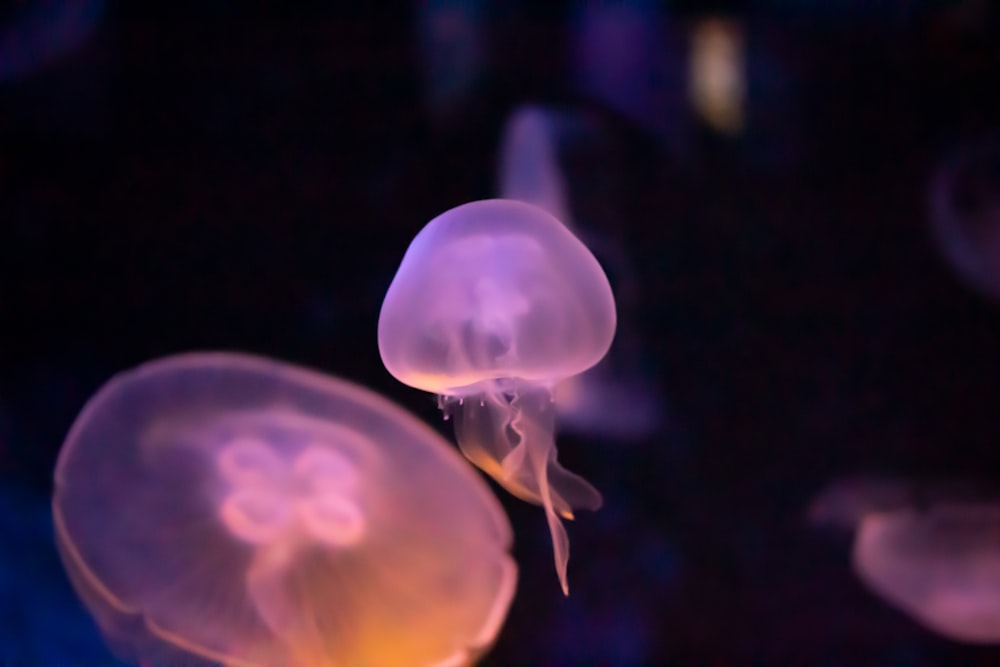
(511, 437)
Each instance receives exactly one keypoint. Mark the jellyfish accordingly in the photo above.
(39, 34)
(965, 214)
(629, 55)
(226, 508)
(539, 148)
(940, 566)
(494, 303)
(930, 549)
(452, 38)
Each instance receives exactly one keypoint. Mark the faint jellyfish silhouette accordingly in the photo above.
(717, 78)
(227, 508)
(494, 303)
(847, 501)
(39, 34)
(965, 214)
(941, 566)
(529, 168)
(931, 551)
(616, 398)
(629, 56)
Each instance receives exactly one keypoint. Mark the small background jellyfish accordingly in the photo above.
(932, 550)
(617, 398)
(495, 302)
(233, 509)
(965, 213)
(629, 55)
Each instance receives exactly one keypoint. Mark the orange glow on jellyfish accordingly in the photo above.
(243, 511)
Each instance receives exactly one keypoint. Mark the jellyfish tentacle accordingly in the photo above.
(487, 437)
(573, 490)
(534, 422)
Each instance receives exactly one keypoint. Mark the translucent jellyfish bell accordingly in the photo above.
(493, 304)
(244, 511)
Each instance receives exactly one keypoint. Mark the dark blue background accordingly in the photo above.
(224, 175)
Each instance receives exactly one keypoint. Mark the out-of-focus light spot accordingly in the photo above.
(717, 74)
(42, 32)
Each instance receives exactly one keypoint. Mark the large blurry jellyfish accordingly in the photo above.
(617, 398)
(935, 559)
(239, 510)
(495, 303)
(965, 214)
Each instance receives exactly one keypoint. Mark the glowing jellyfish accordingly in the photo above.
(940, 566)
(494, 303)
(244, 511)
(930, 549)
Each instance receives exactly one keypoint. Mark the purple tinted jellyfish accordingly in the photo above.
(847, 501)
(494, 303)
(238, 510)
(930, 548)
(629, 56)
(529, 168)
(39, 34)
(965, 214)
(452, 38)
(942, 567)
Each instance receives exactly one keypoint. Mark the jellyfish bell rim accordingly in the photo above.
(440, 383)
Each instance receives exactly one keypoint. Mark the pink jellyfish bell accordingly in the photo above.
(244, 511)
(495, 303)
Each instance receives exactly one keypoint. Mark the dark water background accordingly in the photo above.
(224, 175)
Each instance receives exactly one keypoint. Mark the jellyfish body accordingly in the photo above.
(493, 304)
(238, 510)
(940, 566)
